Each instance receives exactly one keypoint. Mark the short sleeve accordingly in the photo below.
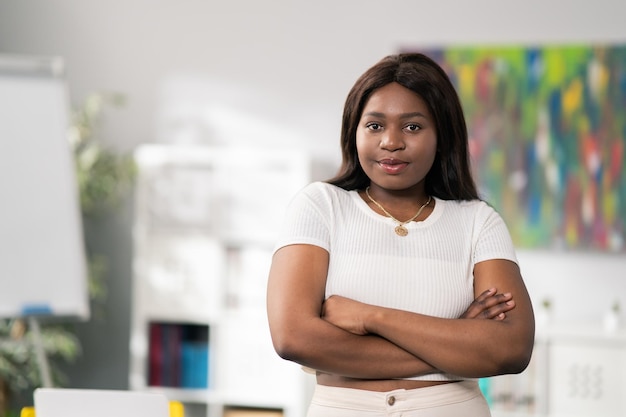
(306, 219)
(493, 240)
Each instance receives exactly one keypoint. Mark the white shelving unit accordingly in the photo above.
(206, 220)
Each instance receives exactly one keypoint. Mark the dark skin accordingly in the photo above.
(302, 331)
(357, 345)
(490, 305)
(464, 346)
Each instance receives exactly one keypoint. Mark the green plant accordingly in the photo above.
(103, 178)
(102, 175)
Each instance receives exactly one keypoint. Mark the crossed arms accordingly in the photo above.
(340, 336)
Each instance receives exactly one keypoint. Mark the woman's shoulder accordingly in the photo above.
(321, 189)
(474, 204)
(478, 216)
(476, 208)
(320, 200)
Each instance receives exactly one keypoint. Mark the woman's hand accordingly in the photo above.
(467, 346)
(351, 315)
(347, 314)
(490, 305)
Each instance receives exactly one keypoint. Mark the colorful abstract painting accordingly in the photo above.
(547, 131)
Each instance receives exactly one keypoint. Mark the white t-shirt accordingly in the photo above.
(429, 271)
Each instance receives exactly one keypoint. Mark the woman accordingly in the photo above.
(394, 281)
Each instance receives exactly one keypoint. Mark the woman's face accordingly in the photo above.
(396, 139)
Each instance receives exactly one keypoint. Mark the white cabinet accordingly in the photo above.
(205, 224)
(576, 371)
(587, 369)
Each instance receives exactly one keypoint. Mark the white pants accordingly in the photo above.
(455, 399)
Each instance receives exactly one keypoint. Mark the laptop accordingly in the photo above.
(63, 402)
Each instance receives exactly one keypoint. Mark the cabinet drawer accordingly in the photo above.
(587, 380)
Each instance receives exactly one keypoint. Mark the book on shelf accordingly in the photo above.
(178, 355)
(195, 363)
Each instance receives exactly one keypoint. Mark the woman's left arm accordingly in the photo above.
(464, 347)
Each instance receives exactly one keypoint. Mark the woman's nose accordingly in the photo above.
(392, 141)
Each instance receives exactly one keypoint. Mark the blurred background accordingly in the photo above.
(250, 76)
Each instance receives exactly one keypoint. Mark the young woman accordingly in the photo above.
(394, 281)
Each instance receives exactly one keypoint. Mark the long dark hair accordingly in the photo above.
(450, 177)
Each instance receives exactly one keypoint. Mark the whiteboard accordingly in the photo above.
(43, 269)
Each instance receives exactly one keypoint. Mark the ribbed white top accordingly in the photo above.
(429, 271)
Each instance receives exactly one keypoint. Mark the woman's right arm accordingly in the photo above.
(295, 297)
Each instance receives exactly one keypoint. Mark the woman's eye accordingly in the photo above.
(413, 127)
(374, 126)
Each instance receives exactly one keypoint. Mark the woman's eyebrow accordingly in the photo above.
(412, 115)
(402, 116)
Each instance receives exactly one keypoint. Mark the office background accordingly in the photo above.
(244, 72)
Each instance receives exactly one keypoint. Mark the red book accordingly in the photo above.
(155, 356)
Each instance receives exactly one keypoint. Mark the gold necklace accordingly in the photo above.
(400, 229)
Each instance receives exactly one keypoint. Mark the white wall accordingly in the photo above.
(581, 287)
(279, 70)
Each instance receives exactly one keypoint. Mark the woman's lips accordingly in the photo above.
(392, 166)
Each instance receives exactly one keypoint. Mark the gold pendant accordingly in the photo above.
(401, 230)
